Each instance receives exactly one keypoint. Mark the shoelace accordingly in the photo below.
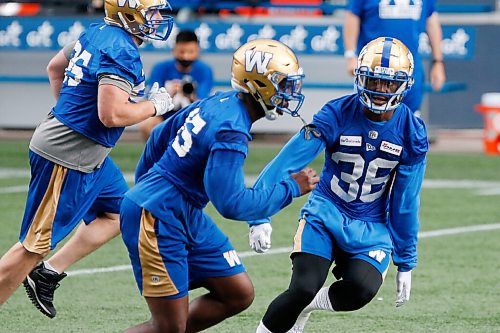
(47, 290)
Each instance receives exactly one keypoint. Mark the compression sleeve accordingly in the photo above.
(403, 216)
(293, 157)
(224, 184)
(68, 49)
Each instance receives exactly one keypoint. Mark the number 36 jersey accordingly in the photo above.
(361, 155)
(102, 50)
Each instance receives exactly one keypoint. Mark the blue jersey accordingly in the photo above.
(200, 73)
(185, 159)
(201, 151)
(372, 176)
(101, 50)
(402, 20)
(361, 155)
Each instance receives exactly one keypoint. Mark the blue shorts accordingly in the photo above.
(176, 251)
(327, 232)
(59, 198)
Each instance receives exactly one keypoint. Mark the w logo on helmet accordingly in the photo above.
(130, 3)
(257, 59)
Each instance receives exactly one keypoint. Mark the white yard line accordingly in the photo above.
(483, 187)
(14, 189)
(424, 234)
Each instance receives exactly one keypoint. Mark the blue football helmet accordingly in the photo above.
(384, 74)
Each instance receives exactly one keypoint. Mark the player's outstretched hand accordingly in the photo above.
(161, 99)
(307, 180)
(403, 288)
(259, 237)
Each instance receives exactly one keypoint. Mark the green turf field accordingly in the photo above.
(456, 287)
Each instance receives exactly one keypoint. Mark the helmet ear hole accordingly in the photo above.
(260, 83)
(130, 17)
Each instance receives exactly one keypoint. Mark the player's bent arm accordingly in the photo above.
(55, 71)
(115, 109)
(57, 68)
(293, 157)
(403, 216)
(225, 187)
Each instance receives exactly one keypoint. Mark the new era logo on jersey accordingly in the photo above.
(350, 140)
(391, 148)
(370, 147)
(257, 59)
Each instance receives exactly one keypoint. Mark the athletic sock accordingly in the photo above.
(320, 302)
(262, 329)
(49, 266)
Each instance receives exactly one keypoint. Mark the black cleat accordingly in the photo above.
(40, 285)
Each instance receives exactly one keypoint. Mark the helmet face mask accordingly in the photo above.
(269, 71)
(288, 97)
(383, 75)
(141, 18)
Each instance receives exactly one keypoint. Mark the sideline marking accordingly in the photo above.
(485, 188)
(423, 234)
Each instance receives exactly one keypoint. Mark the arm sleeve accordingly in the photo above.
(224, 184)
(68, 49)
(123, 63)
(403, 216)
(294, 156)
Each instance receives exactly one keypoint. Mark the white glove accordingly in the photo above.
(260, 237)
(403, 287)
(161, 99)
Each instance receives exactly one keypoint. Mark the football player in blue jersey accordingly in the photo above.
(365, 207)
(194, 157)
(95, 81)
(405, 20)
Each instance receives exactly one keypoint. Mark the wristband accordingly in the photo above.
(436, 61)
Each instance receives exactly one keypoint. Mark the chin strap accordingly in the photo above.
(271, 114)
(309, 129)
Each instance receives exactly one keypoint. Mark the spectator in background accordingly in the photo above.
(185, 77)
(404, 20)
